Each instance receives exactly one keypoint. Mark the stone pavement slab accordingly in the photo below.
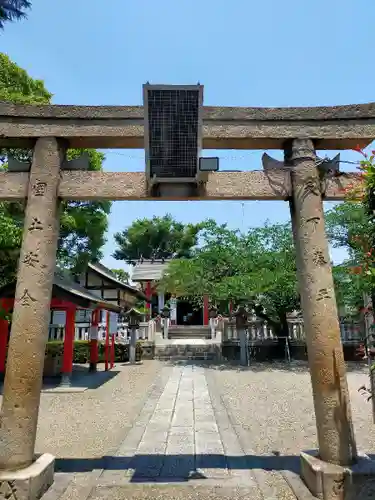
(182, 445)
(175, 492)
(181, 441)
(93, 423)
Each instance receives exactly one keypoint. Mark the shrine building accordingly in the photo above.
(77, 308)
(148, 273)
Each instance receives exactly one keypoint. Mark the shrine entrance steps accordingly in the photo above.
(188, 343)
(189, 332)
(188, 349)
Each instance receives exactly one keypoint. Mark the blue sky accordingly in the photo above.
(245, 53)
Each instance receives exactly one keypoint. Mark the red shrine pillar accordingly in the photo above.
(94, 355)
(67, 367)
(206, 318)
(4, 332)
(148, 296)
(112, 351)
(106, 346)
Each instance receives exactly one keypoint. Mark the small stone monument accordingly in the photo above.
(133, 317)
(165, 314)
(241, 319)
(213, 320)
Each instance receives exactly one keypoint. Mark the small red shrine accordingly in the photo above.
(70, 296)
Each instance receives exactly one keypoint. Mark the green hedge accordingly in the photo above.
(82, 351)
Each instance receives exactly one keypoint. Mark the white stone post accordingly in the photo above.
(132, 345)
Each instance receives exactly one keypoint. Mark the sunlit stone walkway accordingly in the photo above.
(177, 435)
(176, 432)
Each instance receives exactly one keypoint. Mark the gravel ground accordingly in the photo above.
(93, 423)
(273, 406)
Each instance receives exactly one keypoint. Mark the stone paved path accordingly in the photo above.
(177, 436)
(181, 445)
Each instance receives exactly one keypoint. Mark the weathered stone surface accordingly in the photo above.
(326, 361)
(30, 320)
(251, 185)
(333, 482)
(337, 127)
(29, 483)
(210, 113)
(177, 492)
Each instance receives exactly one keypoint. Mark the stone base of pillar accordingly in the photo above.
(30, 483)
(65, 380)
(334, 482)
(93, 367)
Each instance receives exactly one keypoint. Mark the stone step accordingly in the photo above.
(182, 349)
(189, 332)
(204, 356)
(187, 351)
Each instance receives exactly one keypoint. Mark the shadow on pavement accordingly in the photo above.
(180, 467)
(81, 378)
(256, 366)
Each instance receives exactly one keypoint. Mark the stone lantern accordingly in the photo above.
(213, 320)
(213, 312)
(241, 318)
(134, 318)
(165, 314)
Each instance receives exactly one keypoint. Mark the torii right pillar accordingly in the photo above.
(322, 329)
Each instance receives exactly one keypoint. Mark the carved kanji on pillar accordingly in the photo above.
(8, 490)
(336, 442)
(39, 188)
(30, 319)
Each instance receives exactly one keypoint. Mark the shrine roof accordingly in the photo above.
(107, 274)
(63, 285)
(149, 270)
(66, 289)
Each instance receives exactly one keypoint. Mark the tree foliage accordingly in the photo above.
(83, 224)
(13, 10)
(349, 288)
(257, 268)
(121, 275)
(348, 226)
(156, 238)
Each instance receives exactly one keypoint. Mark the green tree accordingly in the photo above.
(348, 226)
(257, 268)
(121, 275)
(349, 289)
(13, 10)
(156, 238)
(83, 224)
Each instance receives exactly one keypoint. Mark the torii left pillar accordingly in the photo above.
(29, 333)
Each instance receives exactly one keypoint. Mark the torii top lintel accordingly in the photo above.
(331, 127)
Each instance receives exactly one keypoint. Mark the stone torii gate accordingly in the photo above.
(50, 130)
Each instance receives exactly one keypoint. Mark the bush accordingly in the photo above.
(81, 353)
